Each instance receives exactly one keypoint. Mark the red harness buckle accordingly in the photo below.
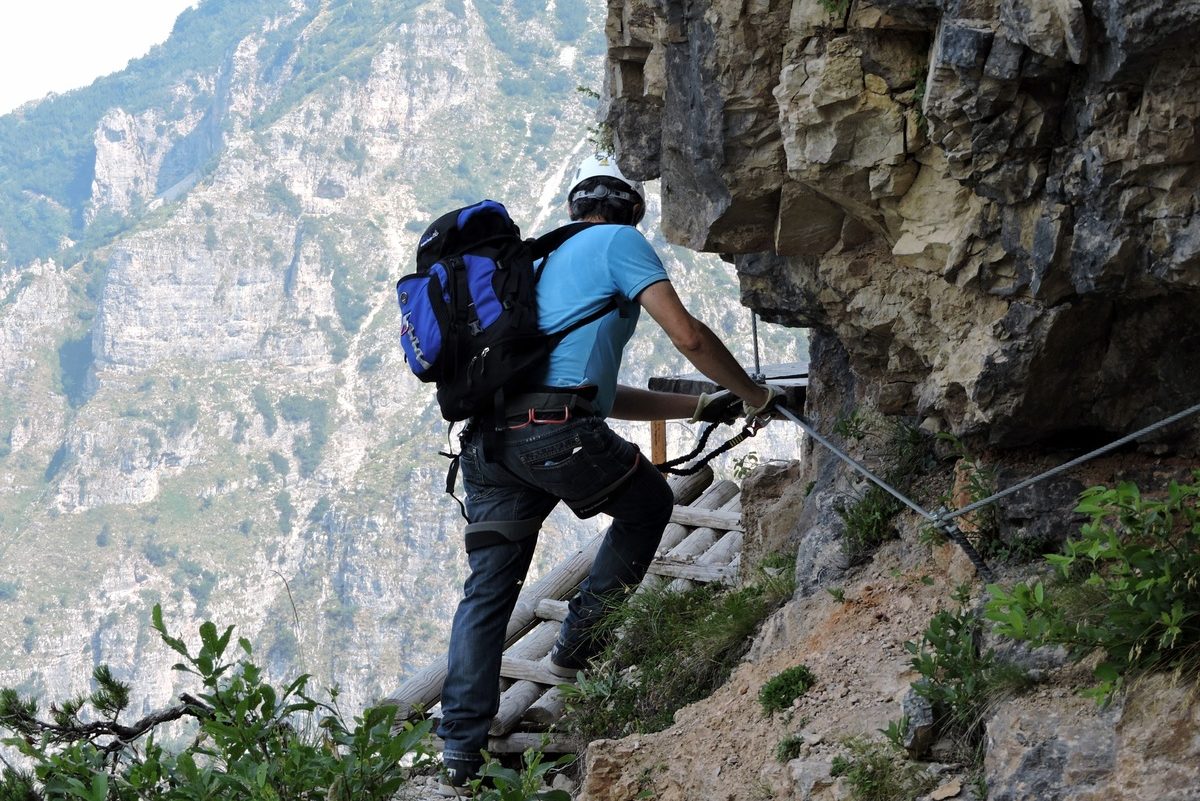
(533, 419)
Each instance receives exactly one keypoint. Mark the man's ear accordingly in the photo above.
(639, 211)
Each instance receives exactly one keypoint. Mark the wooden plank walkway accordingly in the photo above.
(702, 543)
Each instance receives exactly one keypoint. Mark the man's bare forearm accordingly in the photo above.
(708, 354)
(632, 403)
(699, 344)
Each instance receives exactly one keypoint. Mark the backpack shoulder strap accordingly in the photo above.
(546, 244)
(559, 336)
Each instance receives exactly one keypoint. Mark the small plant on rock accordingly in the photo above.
(837, 7)
(878, 772)
(780, 692)
(959, 680)
(904, 454)
(789, 748)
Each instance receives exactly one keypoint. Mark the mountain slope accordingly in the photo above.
(203, 404)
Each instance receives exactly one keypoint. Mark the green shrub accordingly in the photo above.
(279, 462)
(789, 748)
(314, 411)
(868, 522)
(878, 772)
(1129, 585)
(75, 361)
(287, 512)
(686, 645)
(904, 453)
(158, 554)
(255, 740)
(526, 784)
(262, 405)
(281, 197)
(184, 418)
(960, 681)
(779, 692)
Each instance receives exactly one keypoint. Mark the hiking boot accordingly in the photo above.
(456, 778)
(567, 660)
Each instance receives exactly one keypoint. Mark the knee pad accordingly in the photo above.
(488, 533)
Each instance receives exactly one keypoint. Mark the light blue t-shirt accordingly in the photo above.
(595, 266)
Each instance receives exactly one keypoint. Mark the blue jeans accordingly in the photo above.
(535, 468)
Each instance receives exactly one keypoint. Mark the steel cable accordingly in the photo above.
(944, 518)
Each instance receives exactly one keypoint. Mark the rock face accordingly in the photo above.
(990, 203)
(1053, 747)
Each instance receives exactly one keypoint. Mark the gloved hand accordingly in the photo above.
(774, 393)
(717, 407)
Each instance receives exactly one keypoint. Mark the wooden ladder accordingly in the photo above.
(702, 543)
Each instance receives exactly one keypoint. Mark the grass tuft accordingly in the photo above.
(878, 772)
(678, 647)
(780, 692)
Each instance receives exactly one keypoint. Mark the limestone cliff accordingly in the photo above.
(991, 204)
(987, 210)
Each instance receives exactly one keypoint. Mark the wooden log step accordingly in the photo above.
(513, 704)
(529, 670)
(714, 497)
(536, 643)
(547, 710)
(715, 519)
(533, 647)
(671, 568)
(699, 542)
(724, 551)
(552, 610)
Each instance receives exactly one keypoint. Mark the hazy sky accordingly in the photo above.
(56, 45)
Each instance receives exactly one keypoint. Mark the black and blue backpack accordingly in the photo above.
(469, 313)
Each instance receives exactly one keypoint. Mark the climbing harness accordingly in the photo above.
(944, 518)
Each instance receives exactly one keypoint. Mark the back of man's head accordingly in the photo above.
(599, 191)
(609, 199)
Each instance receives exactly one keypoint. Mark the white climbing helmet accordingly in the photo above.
(604, 165)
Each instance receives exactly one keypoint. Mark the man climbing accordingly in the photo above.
(558, 448)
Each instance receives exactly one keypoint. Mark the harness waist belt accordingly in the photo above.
(551, 403)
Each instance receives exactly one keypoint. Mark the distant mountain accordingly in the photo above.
(202, 402)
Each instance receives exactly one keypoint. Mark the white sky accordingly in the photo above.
(56, 45)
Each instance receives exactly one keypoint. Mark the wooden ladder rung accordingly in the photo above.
(550, 609)
(530, 670)
(519, 742)
(672, 568)
(707, 518)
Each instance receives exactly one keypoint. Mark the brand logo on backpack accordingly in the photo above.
(412, 342)
(428, 239)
